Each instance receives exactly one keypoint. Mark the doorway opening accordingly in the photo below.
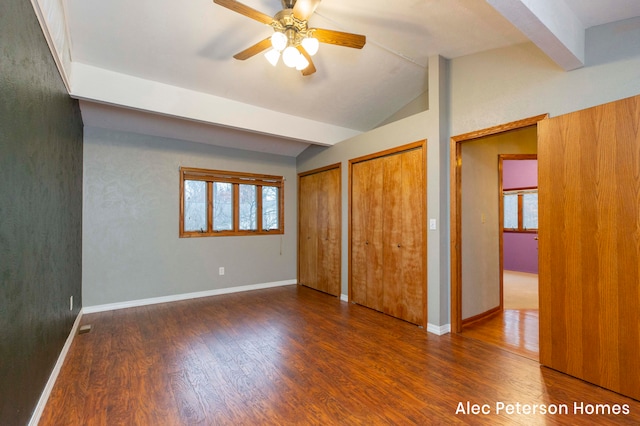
(518, 196)
(477, 282)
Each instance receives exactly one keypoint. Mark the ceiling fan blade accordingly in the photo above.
(310, 69)
(260, 46)
(338, 37)
(245, 10)
(303, 9)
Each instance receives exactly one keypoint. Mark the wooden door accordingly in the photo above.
(328, 231)
(388, 262)
(319, 230)
(589, 204)
(366, 234)
(404, 241)
(307, 234)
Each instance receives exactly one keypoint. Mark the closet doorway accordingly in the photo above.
(387, 232)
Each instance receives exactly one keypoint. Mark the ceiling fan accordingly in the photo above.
(292, 38)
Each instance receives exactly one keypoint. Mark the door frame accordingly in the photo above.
(456, 207)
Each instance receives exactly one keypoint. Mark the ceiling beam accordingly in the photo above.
(89, 83)
(551, 25)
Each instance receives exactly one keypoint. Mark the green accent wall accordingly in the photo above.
(40, 212)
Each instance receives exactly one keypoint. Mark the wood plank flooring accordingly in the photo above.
(514, 330)
(292, 355)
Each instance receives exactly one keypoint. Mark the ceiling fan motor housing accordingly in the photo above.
(295, 29)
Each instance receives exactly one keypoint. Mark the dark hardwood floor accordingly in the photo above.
(292, 355)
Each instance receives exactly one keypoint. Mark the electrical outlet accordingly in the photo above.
(71, 303)
(221, 270)
(432, 224)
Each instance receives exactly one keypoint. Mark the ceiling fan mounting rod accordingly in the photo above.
(288, 4)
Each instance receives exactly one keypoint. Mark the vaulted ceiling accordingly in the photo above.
(166, 67)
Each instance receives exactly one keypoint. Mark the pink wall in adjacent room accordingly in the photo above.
(520, 249)
(519, 174)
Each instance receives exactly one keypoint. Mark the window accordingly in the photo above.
(520, 210)
(220, 203)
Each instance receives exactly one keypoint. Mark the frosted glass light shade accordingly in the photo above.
(279, 41)
(272, 56)
(302, 63)
(311, 45)
(290, 56)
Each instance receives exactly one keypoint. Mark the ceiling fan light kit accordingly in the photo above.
(292, 39)
(279, 41)
(311, 45)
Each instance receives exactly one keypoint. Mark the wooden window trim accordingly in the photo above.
(236, 179)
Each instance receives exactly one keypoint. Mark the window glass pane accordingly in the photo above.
(195, 205)
(248, 207)
(530, 210)
(511, 211)
(222, 206)
(270, 208)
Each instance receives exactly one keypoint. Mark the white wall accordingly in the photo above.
(131, 249)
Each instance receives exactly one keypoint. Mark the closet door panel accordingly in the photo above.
(413, 244)
(328, 248)
(358, 260)
(392, 237)
(366, 234)
(307, 235)
(404, 237)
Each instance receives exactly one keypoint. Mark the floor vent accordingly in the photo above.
(84, 329)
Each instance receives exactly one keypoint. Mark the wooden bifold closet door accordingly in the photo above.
(319, 229)
(388, 239)
(589, 201)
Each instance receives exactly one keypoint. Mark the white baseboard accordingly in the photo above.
(184, 296)
(431, 328)
(439, 329)
(44, 397)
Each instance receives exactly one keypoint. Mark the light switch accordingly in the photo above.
(432, 224)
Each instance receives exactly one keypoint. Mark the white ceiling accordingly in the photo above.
(178, 55)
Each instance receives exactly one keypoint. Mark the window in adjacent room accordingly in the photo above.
(520, 210)
(222, 203)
